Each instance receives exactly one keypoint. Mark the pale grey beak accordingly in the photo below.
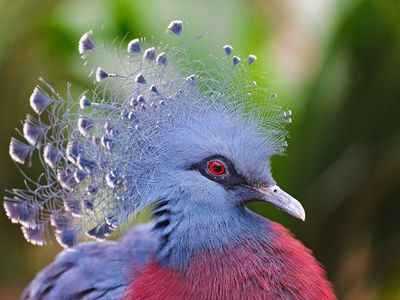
(276, 196)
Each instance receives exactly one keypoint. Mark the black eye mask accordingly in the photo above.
(210, 168)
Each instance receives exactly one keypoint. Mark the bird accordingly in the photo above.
(189, 141)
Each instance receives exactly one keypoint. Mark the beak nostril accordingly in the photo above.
(275, 190)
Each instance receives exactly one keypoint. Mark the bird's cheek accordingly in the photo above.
(241, 196)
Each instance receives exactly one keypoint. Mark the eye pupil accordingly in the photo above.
(216, 168)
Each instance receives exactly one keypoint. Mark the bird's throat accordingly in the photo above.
(257, 267)
(184, 234)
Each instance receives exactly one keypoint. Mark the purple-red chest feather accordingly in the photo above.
(280, 269)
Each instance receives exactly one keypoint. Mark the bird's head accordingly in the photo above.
(156, 127)
(218, 161)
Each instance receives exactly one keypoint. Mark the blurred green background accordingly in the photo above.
(335, 63)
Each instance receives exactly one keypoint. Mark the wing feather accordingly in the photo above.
(94, 270)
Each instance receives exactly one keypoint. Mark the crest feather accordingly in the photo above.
(99, 156)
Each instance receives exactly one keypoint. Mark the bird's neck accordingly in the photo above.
(183, 234)
(225, 262)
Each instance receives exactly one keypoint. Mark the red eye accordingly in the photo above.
(216, 167)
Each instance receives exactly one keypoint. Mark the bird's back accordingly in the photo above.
(94, 270)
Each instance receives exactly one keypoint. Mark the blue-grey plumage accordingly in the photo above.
(192, 139)
(94, 270)
(142, 114)
(86, 43)
(134, 46)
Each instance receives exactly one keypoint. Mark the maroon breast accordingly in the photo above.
(281, 269)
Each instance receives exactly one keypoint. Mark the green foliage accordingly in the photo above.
(341, 79)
